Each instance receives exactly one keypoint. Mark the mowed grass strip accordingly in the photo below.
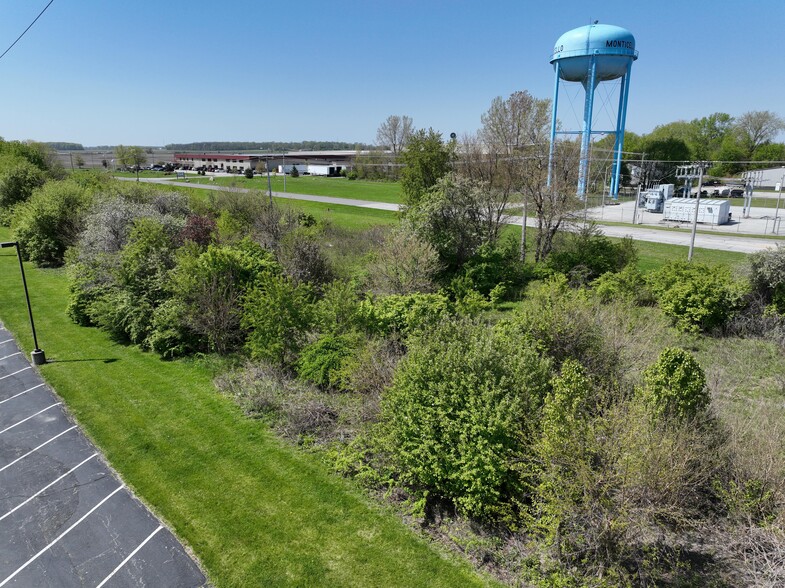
(313, 186)
(255, 511)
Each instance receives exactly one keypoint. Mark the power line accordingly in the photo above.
(27, 29)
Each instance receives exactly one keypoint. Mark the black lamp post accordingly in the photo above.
(38, 356)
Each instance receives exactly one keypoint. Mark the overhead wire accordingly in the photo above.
(27, 29)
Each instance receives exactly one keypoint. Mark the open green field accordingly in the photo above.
(313, 185)
(256, 511)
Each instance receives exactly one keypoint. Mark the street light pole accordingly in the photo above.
(38, 356)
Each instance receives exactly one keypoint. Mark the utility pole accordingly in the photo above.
(777, 210)
(688, 173)
(269, 185)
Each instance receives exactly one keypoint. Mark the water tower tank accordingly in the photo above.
(614, 48)
(590, 55)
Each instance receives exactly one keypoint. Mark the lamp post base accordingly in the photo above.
(38, 357)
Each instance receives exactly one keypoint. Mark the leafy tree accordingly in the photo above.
(404, 314)
(456, 216)
(394, 133)
(708, 133)
(757, 128)
(295, 173)
(426, 160)
(79, 161)
(133, 157)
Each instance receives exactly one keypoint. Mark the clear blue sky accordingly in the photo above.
(149, 73)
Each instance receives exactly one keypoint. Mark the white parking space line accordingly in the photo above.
(11, 355)
(45, 488)
(22, 392)
(21, 457)
(6, 341)
(28, 418)
(16, 372)
(130, 555)
(60, 536)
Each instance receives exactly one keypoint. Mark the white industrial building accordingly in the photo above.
(715, 212)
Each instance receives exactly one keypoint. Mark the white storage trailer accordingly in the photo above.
(715, 212)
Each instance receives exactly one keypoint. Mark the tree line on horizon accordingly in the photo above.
(266, 146)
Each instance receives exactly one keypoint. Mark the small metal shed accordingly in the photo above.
(715, 212)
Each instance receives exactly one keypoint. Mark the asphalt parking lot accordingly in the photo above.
(65, 518)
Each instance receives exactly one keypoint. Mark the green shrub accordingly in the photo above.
(564, 322)
(767, 276)
(170, 336)
(337, 310)
(211, 284)
(277, 314)
(404, 314)
(628, 285)
(18, 179)
(589, 254)
(50, 221)
(496, 264)
(460, 414)
(323, 361)
(695, 296)
(675, 385)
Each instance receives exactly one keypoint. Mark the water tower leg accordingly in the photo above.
(620, 125)
(588, 108)
(553, 124)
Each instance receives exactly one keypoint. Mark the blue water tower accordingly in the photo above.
(590, 55)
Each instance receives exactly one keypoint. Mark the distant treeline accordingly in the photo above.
(63, 146)
(266, 146)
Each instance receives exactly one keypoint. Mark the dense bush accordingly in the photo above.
(404, 264)
(675, 385)
(277, 314)
(210, 286)
(767, 276)
(496, 264)
(460, 414)
(695, 296)
(628, 285)
(564, 322)
(18, 179)
(51, 221)
(587, 254)
(324, 361)
(403, 314)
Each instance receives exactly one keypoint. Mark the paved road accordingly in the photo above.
(723, 242)
(65, 519)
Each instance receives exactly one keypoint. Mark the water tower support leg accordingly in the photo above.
(620, 125)
(588, 108)
(553, 124)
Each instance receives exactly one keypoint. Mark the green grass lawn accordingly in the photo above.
(650, 255)
(314, 186)
(255, 511)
